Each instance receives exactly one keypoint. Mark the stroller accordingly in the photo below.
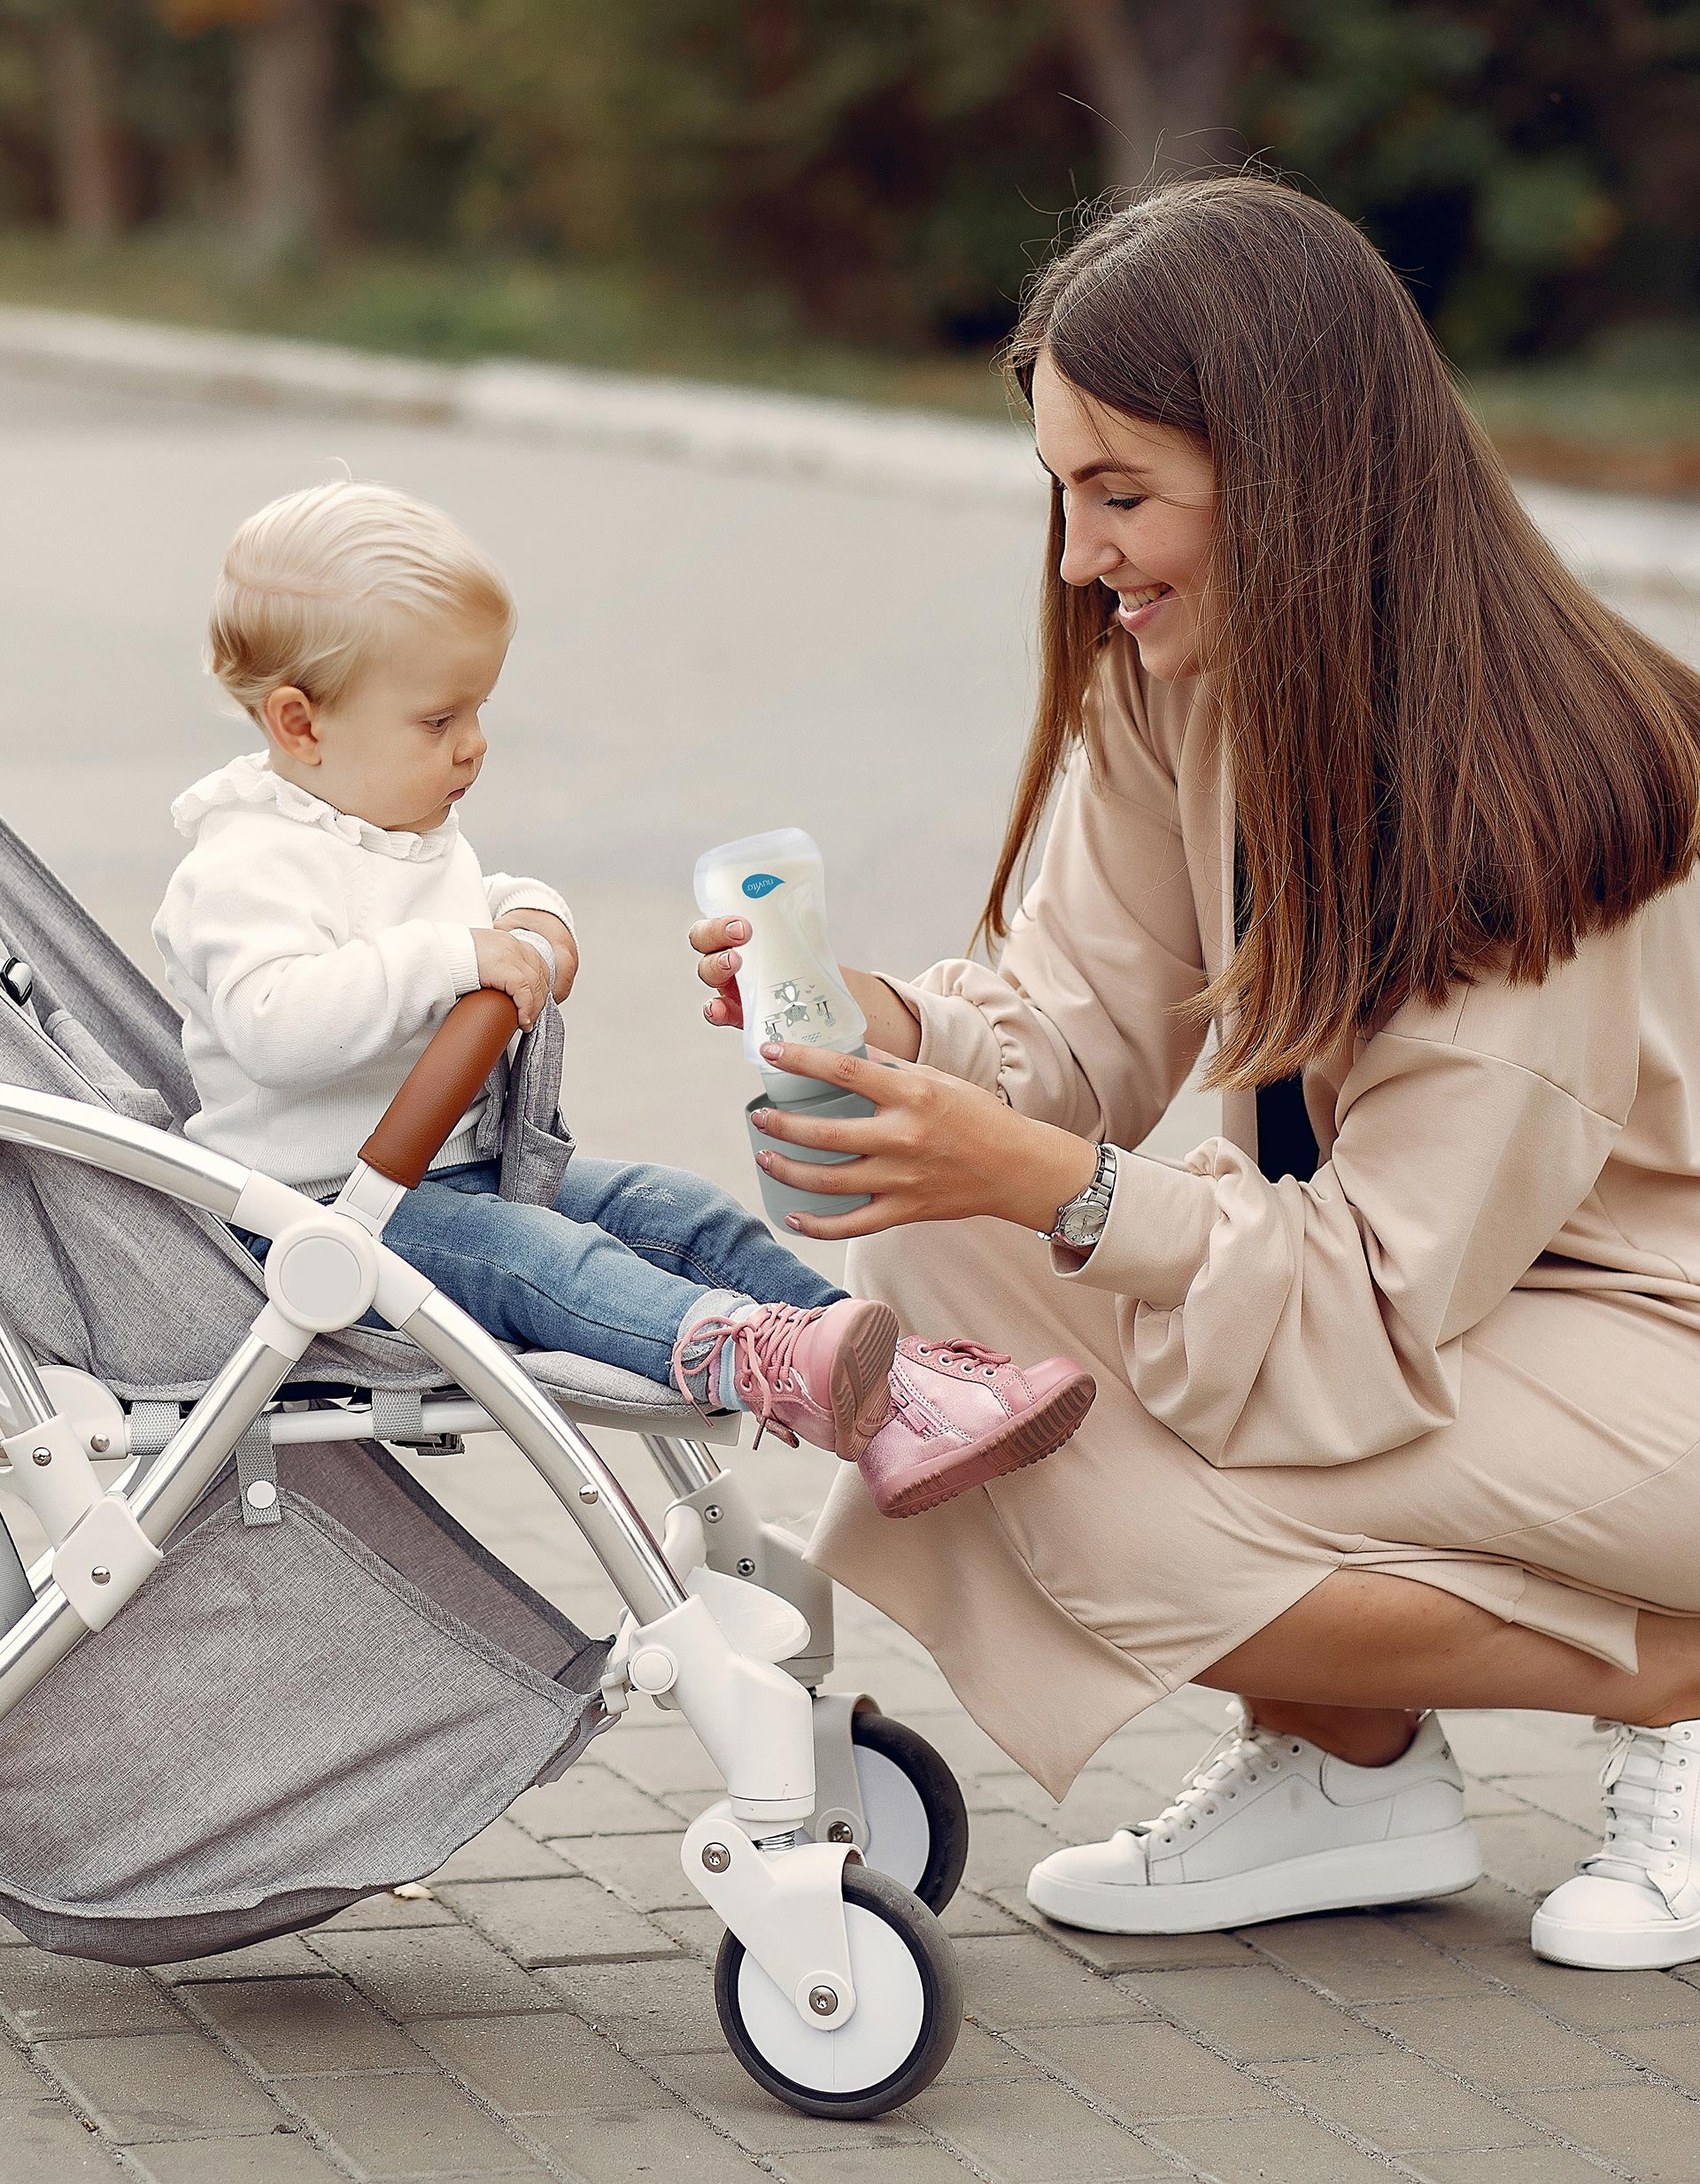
(261, 1673)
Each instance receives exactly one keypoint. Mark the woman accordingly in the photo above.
(1400, 1375)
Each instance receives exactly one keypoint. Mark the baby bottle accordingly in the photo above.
(790, 989)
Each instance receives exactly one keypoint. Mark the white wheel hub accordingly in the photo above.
(900, 1833)
(891, 2008)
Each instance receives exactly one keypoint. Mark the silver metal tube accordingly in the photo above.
(24, 1402)
(685, 1465)
(123, 1147)
(162, 1499)
(566, 1462)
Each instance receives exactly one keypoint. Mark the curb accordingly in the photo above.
(908, 452)
(1648, 547)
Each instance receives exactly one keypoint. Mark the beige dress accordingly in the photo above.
(1467, 1352)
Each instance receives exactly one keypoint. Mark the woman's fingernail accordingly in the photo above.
(761, 1159)
(737, 931)
(772, 1048)
(792, 1222)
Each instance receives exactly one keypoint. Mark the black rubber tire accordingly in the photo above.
(939, 1793)
(941, 2018)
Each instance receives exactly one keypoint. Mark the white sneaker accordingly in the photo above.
(1634, 1905)
(1268, 1826)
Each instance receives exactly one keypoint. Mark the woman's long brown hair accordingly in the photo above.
(1449, 758)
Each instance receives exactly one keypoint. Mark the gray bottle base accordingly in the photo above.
(778, 1199)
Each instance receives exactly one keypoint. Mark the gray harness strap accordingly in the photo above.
(257, 1475)
(151, 1427)
(399, 1416)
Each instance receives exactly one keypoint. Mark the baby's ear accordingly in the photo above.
(286, 715)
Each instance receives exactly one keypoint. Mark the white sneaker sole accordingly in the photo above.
(1658, 1946)
(1404, 1871)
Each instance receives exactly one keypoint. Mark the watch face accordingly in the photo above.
(1083, 1225)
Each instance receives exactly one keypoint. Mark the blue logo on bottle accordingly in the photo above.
(760, 883)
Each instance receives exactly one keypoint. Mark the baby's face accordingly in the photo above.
(404, 744)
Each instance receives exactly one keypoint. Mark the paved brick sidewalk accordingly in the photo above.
(547, 2012)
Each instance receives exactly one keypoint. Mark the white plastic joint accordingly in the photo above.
(323, 1272)
(787, 1909)
(102, 1563)
(49, 1469)
(653, 1669)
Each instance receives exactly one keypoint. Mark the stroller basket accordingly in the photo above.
(284, 1720)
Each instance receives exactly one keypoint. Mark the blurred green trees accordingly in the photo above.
(881, 172)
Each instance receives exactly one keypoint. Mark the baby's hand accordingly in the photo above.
(559, 938)
(513, 967)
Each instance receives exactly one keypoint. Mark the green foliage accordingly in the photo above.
(885, 173)
(878, 165)
(1532, 169)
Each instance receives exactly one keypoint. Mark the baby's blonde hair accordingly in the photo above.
(311, 585)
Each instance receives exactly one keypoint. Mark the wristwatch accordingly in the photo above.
(1080, 1222)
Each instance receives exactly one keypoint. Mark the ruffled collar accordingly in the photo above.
(250, 781)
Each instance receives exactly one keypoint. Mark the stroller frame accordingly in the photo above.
(713, 1609)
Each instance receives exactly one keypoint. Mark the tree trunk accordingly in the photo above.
(286, 86)
(81, 85)
(1160, 76)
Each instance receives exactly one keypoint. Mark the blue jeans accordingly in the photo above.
(612, 1270)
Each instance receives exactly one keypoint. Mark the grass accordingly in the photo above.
(455, 310)
(1629, 418)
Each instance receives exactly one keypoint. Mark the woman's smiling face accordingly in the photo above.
(1139, 502)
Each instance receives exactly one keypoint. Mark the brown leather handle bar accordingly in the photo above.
(441, 1086)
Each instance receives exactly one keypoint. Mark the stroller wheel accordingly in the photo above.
(909, 2010)
(917, 1823)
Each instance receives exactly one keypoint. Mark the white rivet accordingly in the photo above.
(101, 1574)
(99, 1444)
(588, 1496)
(41, 1455)
(262, 1495)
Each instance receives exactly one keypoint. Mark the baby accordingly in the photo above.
(328, 914)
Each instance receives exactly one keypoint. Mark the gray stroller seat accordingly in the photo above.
(144, 1292)
(263, 1673)
(442, 1685)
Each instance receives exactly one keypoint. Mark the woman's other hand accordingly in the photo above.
(891, 1022)
(716, 941)
(937, 1150)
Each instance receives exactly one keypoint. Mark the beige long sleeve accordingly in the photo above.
(1319, 1322)
(1309, 1323)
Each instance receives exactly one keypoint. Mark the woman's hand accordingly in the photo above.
(937, 1150)
(558, 936)
(891, 1022)
(716, 941)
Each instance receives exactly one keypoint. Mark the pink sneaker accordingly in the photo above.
(962, 1414)
(823, 1375)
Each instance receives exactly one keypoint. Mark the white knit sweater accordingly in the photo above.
(313, 955)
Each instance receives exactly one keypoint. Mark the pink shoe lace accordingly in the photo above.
(975, 1357)
(762, 1346)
